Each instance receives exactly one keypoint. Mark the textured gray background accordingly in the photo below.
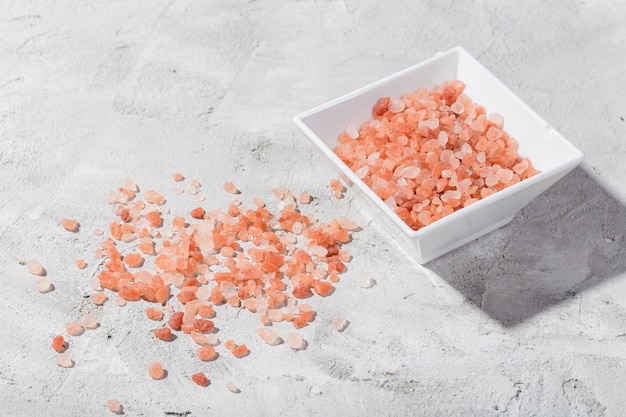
(529, 320)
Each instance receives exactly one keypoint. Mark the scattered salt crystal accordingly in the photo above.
(74, 329)
(366, 281)
(229, 187)
(43, 285)
(339, 324)
(35, 267)
(120, 301)
(296, 341)
(269, 336)
(64, 360)
(481, 157)
(192, 191)
(114, 406)
(178, 191)
(232, 387)
(89, 321)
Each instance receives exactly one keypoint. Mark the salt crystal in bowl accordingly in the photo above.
(549, 151)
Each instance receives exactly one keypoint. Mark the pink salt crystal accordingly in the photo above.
(114, 406)
(192, 191)
(366, 281)
(211, 339)
(154, 197)
(347, 224)
(195, 183)
(74, 329)
(35, 267)
(443, 138)
(431, 124)
(396, 105)
(339, 324)
(232, 387)
(496, 119)
(269, 336)
(89, 321)
(457, 107)
(120, 301)
(492, 180)
(64, 360)
(493, 133)
(275, 315)
(129, 184)
(295, 341)
(305, 198)
(98, 232)
(200, 198)
(178, 191)
(410, 172)
(352, 131)
(362, 172)
(43, 285)
(229, 187)
(318, 250)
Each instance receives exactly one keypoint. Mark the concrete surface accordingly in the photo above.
(529, 320)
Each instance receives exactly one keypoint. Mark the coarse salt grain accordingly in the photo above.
(64, 360)
(339, 324)
(114, 406)
(35, 267)
(43, 285)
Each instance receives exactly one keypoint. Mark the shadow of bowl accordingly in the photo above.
(568, 239)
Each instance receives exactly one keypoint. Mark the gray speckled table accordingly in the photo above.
(528, 320)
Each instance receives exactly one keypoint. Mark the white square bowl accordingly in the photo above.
(549, 152)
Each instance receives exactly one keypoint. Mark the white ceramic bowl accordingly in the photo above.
(549, 152)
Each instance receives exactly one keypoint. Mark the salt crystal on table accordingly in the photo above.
(74, 329)
(43, 285)
(114, 406)
(339, 324)
(64, 360)
(35, 267)
(269, 336)
(366, 281)
(296, 341)
(232, 387)
(89, 321)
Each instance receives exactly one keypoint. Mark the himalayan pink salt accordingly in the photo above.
(230, 187)
(269, 336)
(43, 285)
(295, 341)
(64, 360)
(74, 329)
(153, 197)
(35, 267)
(454, 147)
(156, 371)
(339, 324)
(232, 387)
(366, 281)
(114, 406)
(70, 225)
(89, 321)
